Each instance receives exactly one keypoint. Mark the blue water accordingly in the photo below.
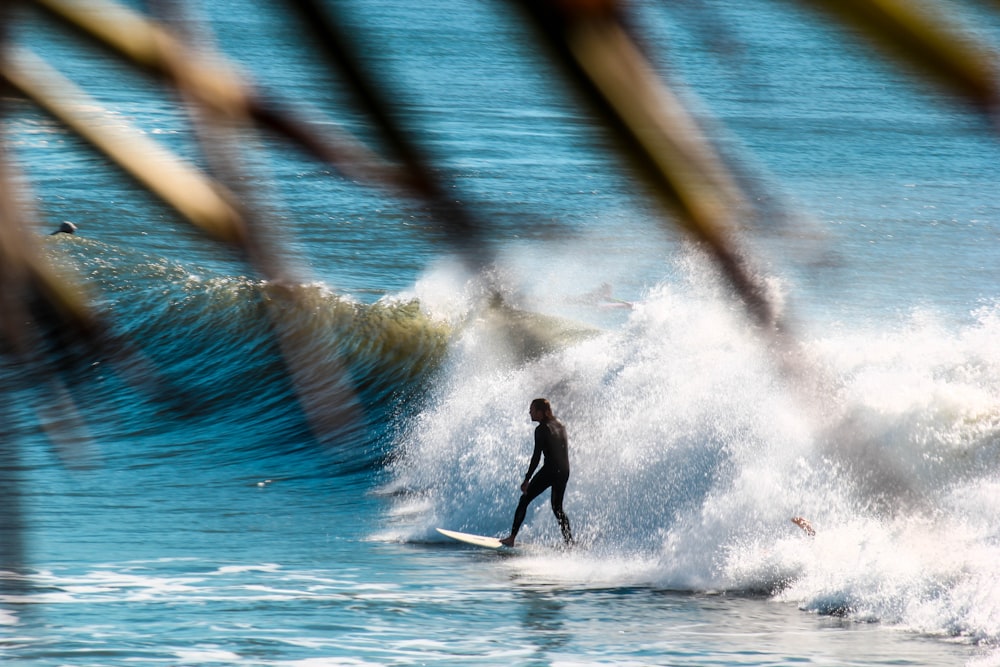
(211, 527)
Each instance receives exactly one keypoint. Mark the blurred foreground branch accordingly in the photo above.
(45, 320)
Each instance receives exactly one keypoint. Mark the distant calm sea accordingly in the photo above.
(220, 533)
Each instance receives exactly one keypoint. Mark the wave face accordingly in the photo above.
(223, 354)
(690, 454)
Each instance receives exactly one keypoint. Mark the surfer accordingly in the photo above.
(66, 227)
(550, 441)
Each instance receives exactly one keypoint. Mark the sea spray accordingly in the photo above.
(657, 410)
(691, 453)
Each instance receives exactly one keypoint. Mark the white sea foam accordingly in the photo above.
(691, 452)
(207, 655)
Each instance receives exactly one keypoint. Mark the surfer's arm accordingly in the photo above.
(804, 524)
(536, 456)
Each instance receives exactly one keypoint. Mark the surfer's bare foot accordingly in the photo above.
(508, 541)
(804, 524)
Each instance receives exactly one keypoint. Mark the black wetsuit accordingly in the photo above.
(552, 443)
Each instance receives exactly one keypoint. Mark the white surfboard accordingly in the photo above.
(477, 540)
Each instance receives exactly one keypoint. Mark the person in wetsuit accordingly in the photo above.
(552, 443)
(66, 227)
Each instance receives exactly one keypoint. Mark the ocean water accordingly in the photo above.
(213, 528)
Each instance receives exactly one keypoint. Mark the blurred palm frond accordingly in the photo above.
(924, 39)
(600, 52)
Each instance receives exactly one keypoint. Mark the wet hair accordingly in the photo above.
(543, 405)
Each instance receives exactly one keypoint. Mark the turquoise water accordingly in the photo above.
(211, 528)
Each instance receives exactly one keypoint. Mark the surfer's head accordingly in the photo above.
(66, 227)
(540, 410)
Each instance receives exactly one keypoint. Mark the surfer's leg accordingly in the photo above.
(558, 491)
(519, 514)
(538, 484)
